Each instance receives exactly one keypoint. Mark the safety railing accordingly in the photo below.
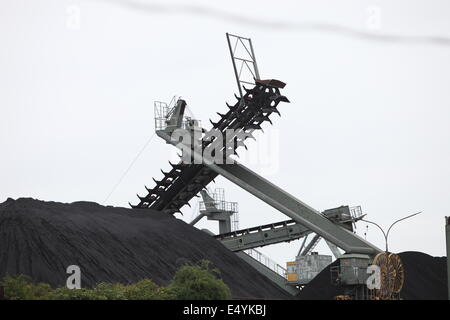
(266, 261)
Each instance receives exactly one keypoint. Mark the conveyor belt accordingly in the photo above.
(284, 231)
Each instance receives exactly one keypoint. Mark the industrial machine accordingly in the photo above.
(207, 153)
(214, 207)
(351, 274)
(308, 264)
(305, 268)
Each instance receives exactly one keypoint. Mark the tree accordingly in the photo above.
(21, 287)
(199, 282)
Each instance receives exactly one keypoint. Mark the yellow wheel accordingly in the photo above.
(386, 285)
(396, 272)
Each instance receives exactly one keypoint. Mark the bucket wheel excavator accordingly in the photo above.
(207, 154)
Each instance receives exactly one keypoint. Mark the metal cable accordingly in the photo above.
(278, 25)
(129, 168)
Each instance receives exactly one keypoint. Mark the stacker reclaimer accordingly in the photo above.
(209, 153)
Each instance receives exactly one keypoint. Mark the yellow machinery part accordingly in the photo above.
(292, 277)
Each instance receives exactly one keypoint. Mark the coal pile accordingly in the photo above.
(109, 244)
(425, 279)
(425, 276)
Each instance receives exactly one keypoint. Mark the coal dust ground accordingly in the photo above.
(425, 279)
(41, 239)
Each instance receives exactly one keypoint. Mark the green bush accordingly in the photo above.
(64, 293)
(200, 282)
(109, 291)
(21, 287)
(143, 290)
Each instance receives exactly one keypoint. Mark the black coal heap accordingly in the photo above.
(41, 239)
(425, 279)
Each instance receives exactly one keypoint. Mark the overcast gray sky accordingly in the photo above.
(368, 122)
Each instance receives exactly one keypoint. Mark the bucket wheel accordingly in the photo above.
(392, 275)
(385, 290)
(396, 272)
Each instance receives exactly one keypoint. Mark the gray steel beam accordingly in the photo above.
(302, 246)
(311, 245)
(335, 250)
(282, 201)
(294, 208)
(262, 236)
(251, 54)
(197, 219)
